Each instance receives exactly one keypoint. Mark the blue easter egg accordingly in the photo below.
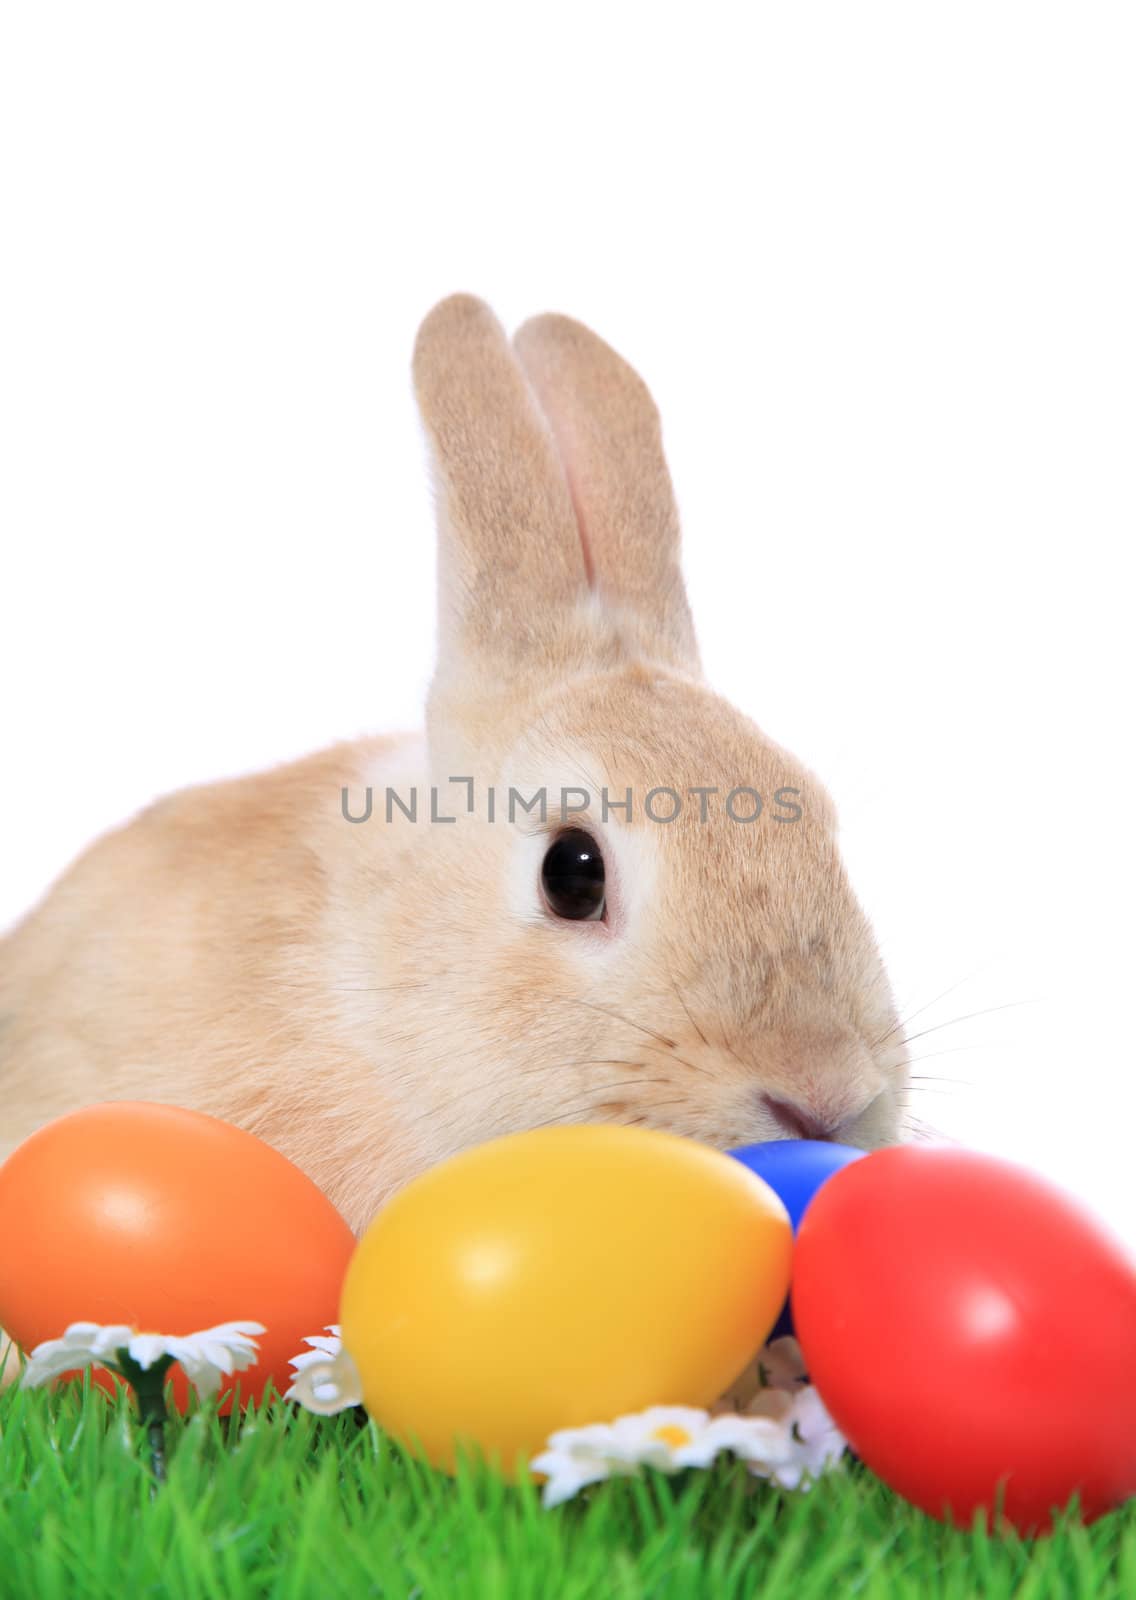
(795, 1169)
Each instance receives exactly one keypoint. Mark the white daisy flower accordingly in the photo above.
(771, 1418)
(326, 1379)
(324, 1345)
(576, 1457)
(668, 1438)
(775, 1373)
(204, 1357)
(817, 1444)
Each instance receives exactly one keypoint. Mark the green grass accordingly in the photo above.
(289, 1505)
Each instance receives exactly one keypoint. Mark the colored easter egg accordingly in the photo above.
(168, 1221)
(561, 1277)
(794, 1169)
(973, 1332)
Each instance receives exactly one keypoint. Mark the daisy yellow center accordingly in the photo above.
(670, 1433)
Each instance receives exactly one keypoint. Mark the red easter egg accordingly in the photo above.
(970, 1327)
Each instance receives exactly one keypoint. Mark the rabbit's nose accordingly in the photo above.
(797, 1122)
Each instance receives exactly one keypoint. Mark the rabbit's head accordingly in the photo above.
(618, 930)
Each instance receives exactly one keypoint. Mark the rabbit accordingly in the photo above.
(371, 994)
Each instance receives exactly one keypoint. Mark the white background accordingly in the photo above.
(877, 264)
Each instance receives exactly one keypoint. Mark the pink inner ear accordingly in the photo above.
(560, 431)
(585, 542)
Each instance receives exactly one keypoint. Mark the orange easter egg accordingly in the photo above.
(168, 1221)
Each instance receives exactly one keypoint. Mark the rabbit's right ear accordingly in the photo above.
(510, 562)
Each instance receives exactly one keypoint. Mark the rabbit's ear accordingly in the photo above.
(608, 434)
(510, 560)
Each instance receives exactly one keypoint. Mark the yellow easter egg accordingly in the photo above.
(561, 1277)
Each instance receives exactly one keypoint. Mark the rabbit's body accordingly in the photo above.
(372, 996)
(186, 958)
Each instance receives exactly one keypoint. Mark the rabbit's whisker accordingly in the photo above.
(902, 1021)
(364, 988)
(950, 1050)
(598, 1089)
(674, 1056)
(607, 1011)
(600, 1061)
(689, 1014)
(729, 1044)
(953, 1022)
(672, 985)
(595, 1100)
(924, 1132)
(656, 1104)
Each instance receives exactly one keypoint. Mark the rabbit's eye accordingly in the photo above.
(572, 877)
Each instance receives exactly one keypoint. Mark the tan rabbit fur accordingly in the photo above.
(372, 997)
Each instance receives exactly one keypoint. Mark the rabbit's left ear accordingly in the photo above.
(609, 437)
